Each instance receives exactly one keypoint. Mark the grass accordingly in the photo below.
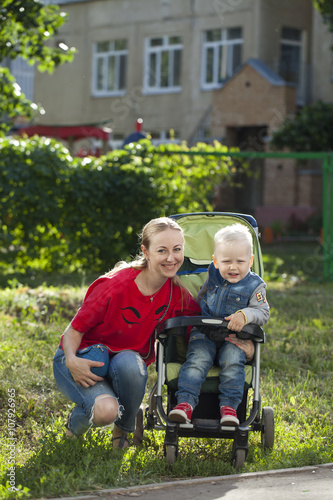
(296, 375)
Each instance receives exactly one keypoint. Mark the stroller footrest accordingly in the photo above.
(202, 424)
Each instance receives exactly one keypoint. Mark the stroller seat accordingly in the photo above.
(176, 357)
(199, 230)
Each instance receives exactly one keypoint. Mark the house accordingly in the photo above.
(255, 100)
(225, 69)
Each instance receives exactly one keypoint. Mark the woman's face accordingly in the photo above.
(166, 253)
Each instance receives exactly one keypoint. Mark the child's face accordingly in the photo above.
(233, 261)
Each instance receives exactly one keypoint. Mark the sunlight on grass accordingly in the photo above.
(296, 380)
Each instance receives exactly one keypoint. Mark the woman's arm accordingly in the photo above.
(79, 367)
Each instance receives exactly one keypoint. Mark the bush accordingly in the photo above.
(59, 212)
(310, 130)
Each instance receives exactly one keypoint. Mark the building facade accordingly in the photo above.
(230, 70)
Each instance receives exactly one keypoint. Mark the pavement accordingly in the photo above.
(310, 483)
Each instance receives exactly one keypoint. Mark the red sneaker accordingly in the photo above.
(228, 416)
(182, 413)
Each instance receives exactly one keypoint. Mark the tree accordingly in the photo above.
(26, 26)
(310, 130)
(325, 7)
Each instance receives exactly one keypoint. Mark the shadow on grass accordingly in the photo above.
(281, 259)
(34, 279)
(62, 466)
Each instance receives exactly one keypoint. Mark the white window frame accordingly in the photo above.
(228, 46)
(294, 43)
(331, 73)
(157, 51)
(163, 137)
(104, 57)
(301, 81)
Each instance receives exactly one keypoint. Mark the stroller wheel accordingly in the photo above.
(267, 427)
(171, 453)
(239, 458)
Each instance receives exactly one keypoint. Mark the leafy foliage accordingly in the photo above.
(58, 212)
(25, 28)
(311, 130)
(325, 7)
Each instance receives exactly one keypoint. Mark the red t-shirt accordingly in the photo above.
(115, 313)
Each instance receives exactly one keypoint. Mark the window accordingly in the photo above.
(290, 55)
(165, 137)
(222, 54)
(163, 64)
(109, 68)
(331, 59)
(24, 76)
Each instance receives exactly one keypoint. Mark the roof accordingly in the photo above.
(264, 70)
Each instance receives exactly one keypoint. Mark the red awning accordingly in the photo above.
(73, 133)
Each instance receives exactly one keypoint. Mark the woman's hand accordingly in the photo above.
(245, 345)
(79, 367)
(80, 370)
(236, 324)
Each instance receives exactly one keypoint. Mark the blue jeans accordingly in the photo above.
(125, 381)
(201, 355)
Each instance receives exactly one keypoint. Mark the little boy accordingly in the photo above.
(238, 295)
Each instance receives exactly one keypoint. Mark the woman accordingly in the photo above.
(119, 313)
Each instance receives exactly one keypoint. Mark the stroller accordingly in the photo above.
(199, 230)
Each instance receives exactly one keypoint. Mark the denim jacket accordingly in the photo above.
(223, 298)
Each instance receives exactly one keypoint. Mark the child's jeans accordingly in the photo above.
(126, 381)
(201, 355)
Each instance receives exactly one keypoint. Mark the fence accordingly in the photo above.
(327, 166)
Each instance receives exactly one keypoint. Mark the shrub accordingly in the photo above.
(59, 212)
(310, 130)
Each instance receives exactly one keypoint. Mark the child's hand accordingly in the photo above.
(236, 321)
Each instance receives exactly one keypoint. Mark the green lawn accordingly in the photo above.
(296, 380)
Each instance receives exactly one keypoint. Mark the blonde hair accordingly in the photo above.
(235, 233)
(152, 228)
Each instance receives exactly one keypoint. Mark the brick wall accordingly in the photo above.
(280, 186)
(249, 99)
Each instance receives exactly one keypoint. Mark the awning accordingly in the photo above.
(71, 133)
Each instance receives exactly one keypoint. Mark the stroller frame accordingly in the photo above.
(202, 425)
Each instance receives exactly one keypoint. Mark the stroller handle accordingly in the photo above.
(215, 328)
